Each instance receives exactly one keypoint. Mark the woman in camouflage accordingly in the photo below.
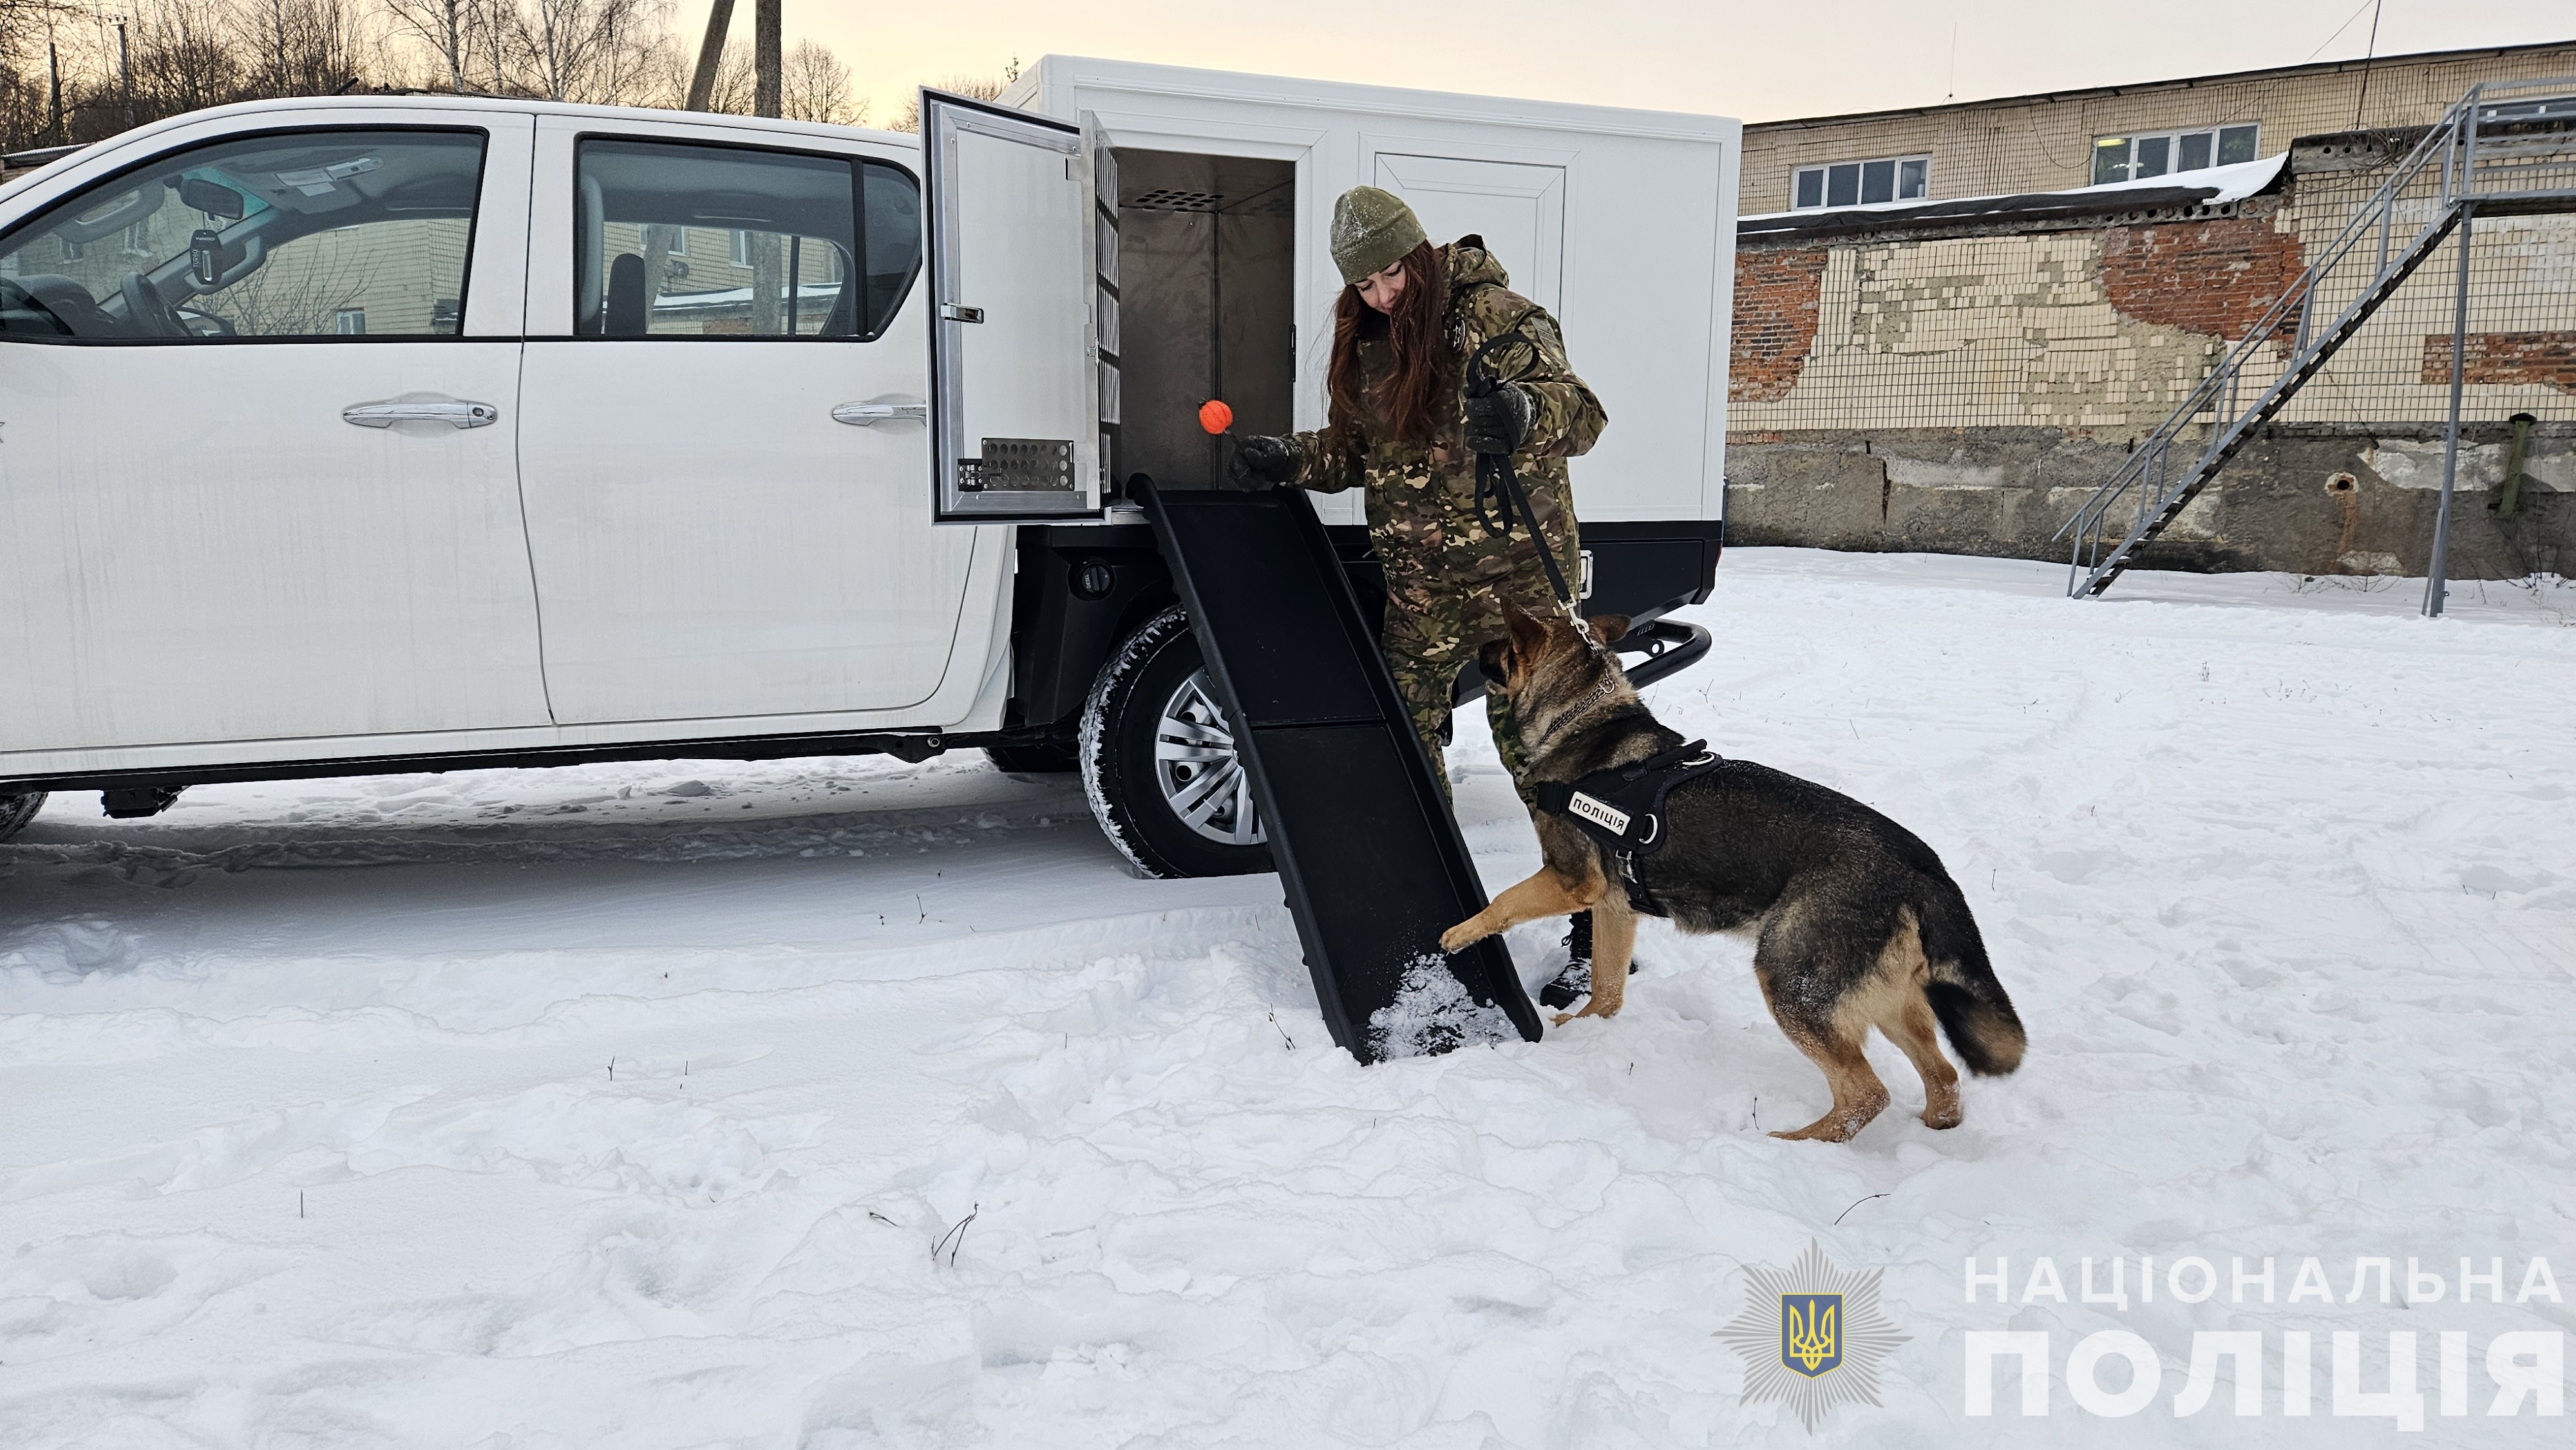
(1401, 427)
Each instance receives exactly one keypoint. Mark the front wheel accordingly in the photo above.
(1159, 760)
(17, 810)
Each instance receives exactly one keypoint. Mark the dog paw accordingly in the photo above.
(1460, 937)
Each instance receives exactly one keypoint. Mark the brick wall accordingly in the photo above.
(2214, 277)
(2547, 359)
(1776, 296)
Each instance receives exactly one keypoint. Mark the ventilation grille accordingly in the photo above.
(1020, 464)
(1274, 201)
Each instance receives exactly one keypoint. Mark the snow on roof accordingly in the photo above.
(2210, 186)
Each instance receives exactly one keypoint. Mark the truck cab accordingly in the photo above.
(347, 435)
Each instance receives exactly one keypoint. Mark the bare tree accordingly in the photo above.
(301, 47)
(185, 58)
(456, 32)
(981, 88)
(817, 88)
(607, 52)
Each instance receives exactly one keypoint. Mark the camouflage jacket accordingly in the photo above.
(1422, 496)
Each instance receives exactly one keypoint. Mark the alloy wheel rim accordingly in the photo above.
(1201, 776)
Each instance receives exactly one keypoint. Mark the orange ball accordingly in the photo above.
(1215, 416)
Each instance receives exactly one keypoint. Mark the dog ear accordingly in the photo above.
(1529, 634)
(1609, 628)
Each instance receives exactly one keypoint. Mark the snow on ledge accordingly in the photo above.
(2225, 183)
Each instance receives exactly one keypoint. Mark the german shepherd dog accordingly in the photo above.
(1856, 922)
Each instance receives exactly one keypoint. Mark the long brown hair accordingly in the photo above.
(1410, 396)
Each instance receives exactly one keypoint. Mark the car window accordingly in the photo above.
(679, 240)
(335, 234)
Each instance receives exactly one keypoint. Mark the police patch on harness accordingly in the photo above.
(1623, 807)
(1597, 812)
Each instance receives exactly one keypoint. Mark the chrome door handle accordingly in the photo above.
(385, 415)
(869, 415)
(960, 312)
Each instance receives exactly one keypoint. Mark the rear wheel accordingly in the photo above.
(1159, 761)
(17, 810)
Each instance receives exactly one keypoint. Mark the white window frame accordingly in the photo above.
(341, 319)
(2127, 167)
(1897, 181)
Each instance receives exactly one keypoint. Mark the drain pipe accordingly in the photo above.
(2509, 496)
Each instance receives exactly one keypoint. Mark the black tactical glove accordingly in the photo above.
(1261, 462)
(1500, 420)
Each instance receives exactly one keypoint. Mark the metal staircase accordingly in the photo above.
(2507, 147)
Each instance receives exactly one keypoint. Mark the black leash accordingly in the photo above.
(1498, 485)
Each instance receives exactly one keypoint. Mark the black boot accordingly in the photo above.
(1575, 982)
(1576, 979)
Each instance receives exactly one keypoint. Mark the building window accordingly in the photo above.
(2162, 153)
(741, 255)
(351, 322)
(1861, 183)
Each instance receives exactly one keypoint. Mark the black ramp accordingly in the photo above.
(1366, 848)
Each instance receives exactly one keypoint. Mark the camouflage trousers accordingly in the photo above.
(1435, 629)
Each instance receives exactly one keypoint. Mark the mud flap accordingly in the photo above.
(1371, 860)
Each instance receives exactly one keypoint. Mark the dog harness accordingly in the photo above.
(1623, 808)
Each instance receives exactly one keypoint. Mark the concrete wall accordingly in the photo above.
(2304, 499)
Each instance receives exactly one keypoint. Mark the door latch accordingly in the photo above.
(960, 312)
(869, 415)
(385, 415)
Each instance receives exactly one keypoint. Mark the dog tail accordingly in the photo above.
(1975, 1013)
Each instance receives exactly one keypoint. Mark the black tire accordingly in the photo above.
(1155, 678)
(1048, 759)
(17, 810)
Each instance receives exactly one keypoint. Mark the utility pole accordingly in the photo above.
(768, 69)
(702, 84)
(768, 266)
(125, 71)
(54, 75)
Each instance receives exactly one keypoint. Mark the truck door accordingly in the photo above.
(1015, 270)
(259, 481)
(724, 427)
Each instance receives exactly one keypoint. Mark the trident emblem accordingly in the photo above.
(1811, 1333)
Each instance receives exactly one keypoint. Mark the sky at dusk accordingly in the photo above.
(1754, 61)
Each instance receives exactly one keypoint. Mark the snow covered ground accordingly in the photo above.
(839, 1103)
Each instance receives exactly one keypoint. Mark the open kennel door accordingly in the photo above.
(1014, 343)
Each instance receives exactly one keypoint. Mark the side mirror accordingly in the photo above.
(213, 198)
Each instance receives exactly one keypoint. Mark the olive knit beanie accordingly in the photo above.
(1371, 229)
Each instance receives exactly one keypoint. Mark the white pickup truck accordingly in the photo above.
(341, 436)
